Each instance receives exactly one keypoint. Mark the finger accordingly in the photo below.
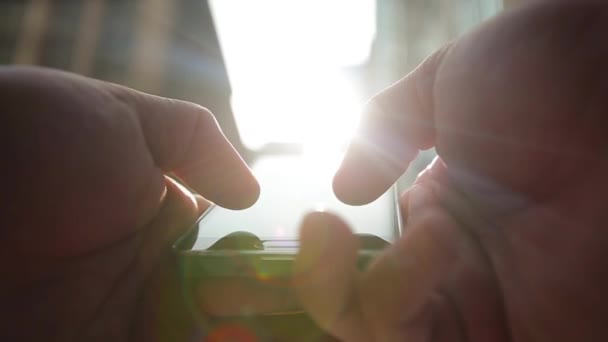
(434, 174)
(396, 290)
(326, 276)
(162, 314)
(185, 139)
(468, 301)
(396, 124)
(179, 210)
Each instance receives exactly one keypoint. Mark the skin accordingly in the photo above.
(89, 215)
(505, 235)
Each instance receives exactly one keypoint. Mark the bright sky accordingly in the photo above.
(285, 62)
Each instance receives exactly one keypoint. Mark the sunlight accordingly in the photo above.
(287, 63)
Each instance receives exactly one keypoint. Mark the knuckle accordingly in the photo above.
(205, 116)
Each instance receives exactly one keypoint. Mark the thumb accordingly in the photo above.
(325, 276)
(396, 123)
(185, 138)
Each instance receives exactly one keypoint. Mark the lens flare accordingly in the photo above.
(231, 333)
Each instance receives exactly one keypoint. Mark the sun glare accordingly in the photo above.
(287, 65)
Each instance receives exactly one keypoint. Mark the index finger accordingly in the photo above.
(184, 138)
(396, 124)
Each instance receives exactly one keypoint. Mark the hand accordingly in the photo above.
(505, 235)
(89, 215)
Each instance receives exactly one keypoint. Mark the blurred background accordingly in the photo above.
(278, 74)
